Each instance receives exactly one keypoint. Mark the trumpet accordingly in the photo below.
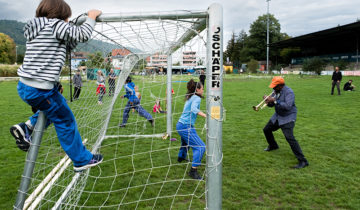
(262, 104)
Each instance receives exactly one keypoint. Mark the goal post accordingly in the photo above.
(30, 161)
(214, 105)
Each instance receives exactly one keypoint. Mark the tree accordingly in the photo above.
(96, 60)
(234, 48)
(82, 63)
(20, 59)
(230, 48)
(287, 53)
(237, 57)
(257, 38)
(7, 49)
(253, 65)
(200, 62)
(342, 64)
(315, 64)
(140, 65)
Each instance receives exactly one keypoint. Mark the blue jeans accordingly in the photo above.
(135, 105)
(54, 105)
(189, 138)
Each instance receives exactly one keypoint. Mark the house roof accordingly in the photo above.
(122, 52)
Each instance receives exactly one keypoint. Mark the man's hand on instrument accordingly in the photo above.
(270, 100)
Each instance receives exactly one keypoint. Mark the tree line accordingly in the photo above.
(243, 48)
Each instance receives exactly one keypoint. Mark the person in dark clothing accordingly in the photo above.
(202, 77)
(77, 81)
(336, 79)
(283, 99)
(349, 86)
(111, 81)
(133, 103)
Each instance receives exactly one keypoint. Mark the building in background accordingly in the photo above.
(117, 57)
(157, 60)
(189, 59)
(77, 58)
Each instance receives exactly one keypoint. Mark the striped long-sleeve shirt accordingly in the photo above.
(46, 49)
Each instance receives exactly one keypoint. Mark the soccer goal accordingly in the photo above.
(161, 52)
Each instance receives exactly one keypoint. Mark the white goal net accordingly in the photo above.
(160, 52)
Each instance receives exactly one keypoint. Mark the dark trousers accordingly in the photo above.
(337, 86)
(348, 88)
(288, 131)
(77, 91)
(111, 88)
(135, 105)
(101, 94)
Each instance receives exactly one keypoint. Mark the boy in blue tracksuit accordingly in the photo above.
(48, 36)
(186, 130)
(133, 103)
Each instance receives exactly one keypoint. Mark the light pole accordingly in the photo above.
(267, 37)
(16, 54)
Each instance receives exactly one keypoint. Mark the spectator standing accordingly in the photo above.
(336, 79)
(101, 90)
(77, 81)
(111, 81)
(202, 77)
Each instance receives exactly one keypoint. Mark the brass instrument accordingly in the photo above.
(262, 104)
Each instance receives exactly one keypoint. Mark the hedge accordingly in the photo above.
(11, 70)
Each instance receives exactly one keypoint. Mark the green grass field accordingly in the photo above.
(327, 129)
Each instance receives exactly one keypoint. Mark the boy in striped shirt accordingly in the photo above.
(48, 36)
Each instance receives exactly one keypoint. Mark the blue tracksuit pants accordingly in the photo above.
(54, 105)
(135, 105)
(189, 138)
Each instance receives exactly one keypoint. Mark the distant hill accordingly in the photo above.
(14, 29)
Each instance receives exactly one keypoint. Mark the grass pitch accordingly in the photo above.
(327, 129)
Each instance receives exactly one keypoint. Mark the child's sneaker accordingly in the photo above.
(194, 174)
(22, 135)
(180, 159)
(152, 121)
(95, 160)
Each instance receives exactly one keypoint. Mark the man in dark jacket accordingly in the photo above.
(336, 79)
(111, 81)
(202, 77)
(77, 84)
(283, 99)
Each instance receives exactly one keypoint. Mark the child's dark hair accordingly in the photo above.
(128, 79)
(53, 9)
(191, 89)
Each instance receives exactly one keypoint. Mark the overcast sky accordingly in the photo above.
(297, 17)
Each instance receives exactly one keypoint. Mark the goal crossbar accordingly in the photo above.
(174, 15)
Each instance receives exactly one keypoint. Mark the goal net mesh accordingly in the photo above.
(140, 168)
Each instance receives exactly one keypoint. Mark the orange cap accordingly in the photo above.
(276, 81)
